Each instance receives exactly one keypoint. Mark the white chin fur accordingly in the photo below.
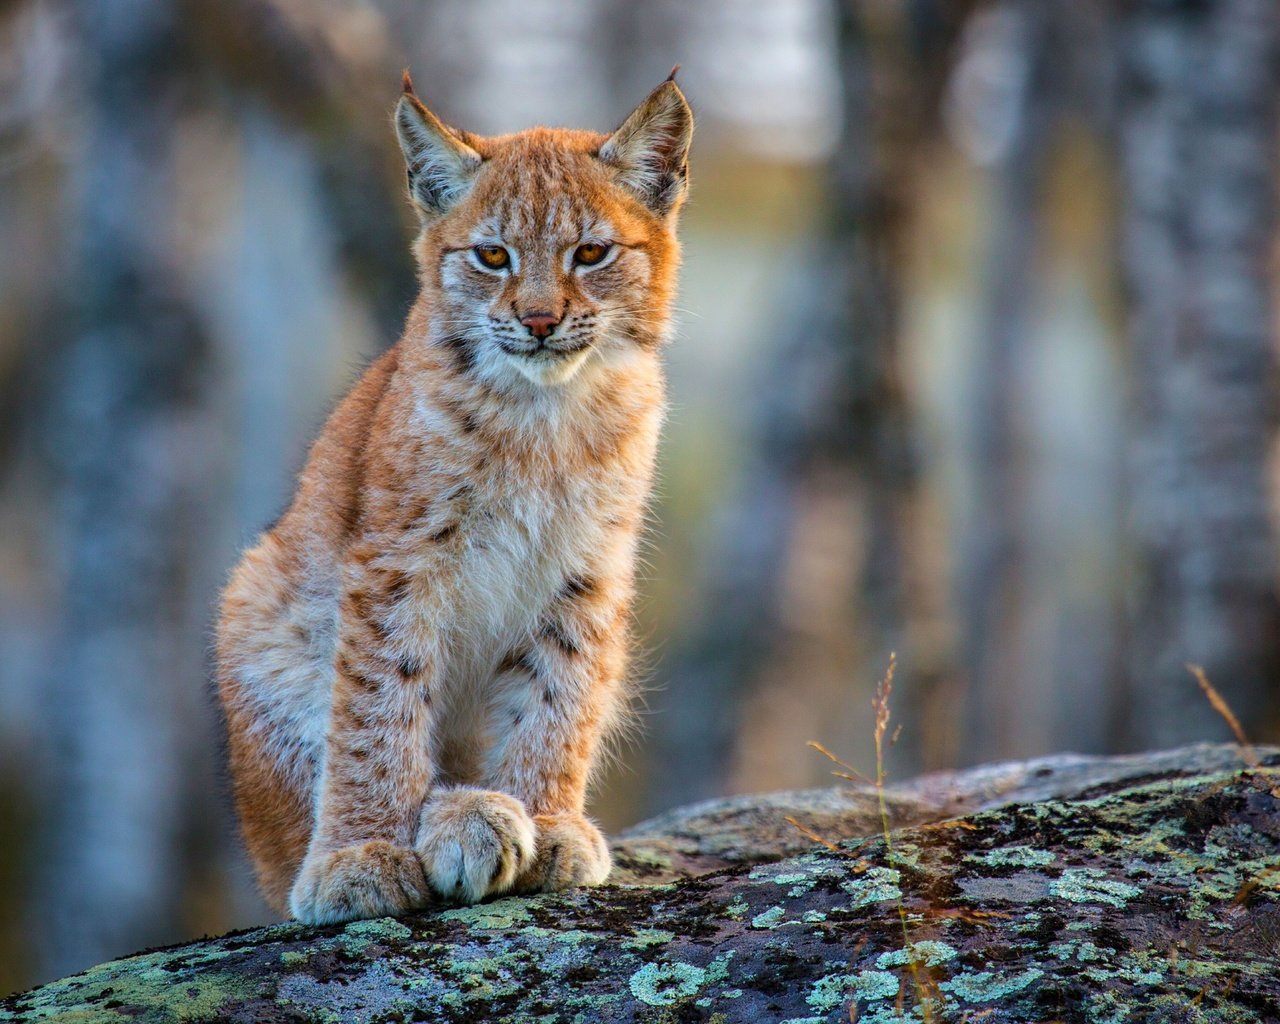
(554, 370)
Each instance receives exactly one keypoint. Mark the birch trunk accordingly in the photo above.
(126, 448)
(1197, 124)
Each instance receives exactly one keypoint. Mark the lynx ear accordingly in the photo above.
(441, 165)
(651, 149)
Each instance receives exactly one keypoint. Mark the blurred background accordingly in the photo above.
(977, 365)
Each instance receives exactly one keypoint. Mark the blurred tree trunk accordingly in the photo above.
(132, 413)
(137, 852)
(1013, 37)
(832, 436)
(124, 429)
(329, 74)
(1197, 138)
(1008, 93)
(1029, 74)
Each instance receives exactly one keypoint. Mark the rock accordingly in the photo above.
(1143, 888)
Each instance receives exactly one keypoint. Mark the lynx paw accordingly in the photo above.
(474, 842)
(374, 879)
(571, 851)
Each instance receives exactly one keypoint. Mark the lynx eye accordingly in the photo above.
(590, 253)
(492, 256)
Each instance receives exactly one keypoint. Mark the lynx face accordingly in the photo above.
(549, 249)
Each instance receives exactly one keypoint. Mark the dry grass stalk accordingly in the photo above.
(849, 773)
(1219, 704)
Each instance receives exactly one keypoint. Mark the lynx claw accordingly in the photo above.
(373, 879)
(474, 843)
(572, 851)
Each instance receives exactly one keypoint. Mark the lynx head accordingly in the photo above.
(549, 248)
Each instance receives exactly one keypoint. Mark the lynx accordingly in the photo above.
(421, 662)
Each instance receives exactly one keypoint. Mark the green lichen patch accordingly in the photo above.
(770, 918)
(908, 854)
(800, 874)
(358, 936)
(382, 929)
(1090, 885)
(643, 938)
(489, 978)
(926, 953)
(839, 989)
(666, 984)
(499, 914)
(718, 969)
(988, 987)
(876, 885)
(873, 985)
(1014, 856)
(1082, 951)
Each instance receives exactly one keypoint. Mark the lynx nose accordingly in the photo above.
(540, 325)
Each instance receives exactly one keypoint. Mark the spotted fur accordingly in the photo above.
(420, 662)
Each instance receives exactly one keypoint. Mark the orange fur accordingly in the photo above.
(420, 662)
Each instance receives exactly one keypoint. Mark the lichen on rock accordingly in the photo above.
(1126, 889)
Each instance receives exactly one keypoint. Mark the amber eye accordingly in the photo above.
(492, 256)
(590, 253)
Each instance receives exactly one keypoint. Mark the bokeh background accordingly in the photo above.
(977, 365)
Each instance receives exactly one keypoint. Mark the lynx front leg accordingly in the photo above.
(562, 693)
(377, 771)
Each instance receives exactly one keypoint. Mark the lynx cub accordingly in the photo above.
(420, 662)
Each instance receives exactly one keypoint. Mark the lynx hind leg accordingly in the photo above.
(274, 806)
(572, 851)
(474, 842)
(272, 686)
(372, 879)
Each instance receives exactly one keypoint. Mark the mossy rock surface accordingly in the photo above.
(1068, 889)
